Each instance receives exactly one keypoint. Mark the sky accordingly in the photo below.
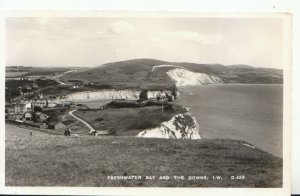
(79, 41)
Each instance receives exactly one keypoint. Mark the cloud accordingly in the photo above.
(121, 27)
(194, 37)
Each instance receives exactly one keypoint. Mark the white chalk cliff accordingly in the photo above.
(127, 94)
(104, 94)
(183, 77)
(181, 126)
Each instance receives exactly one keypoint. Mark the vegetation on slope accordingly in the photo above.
(138, 73)
(48, 160)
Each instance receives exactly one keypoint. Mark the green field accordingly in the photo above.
(10, 74)
(127, 121)
(52, 160)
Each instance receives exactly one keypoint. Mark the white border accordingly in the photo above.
(150, 5)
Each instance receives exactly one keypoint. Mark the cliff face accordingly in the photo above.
(104, 94)
(183, 77)
(181, 126)
(127, 94)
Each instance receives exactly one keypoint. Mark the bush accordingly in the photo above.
(37, 109)
(123, 104)
(99, 119)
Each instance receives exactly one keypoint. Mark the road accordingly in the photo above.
(84, 122)
(57, 77)
(148, 76)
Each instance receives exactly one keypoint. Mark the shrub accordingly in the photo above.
(123, 104)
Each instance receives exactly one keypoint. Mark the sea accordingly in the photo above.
(248, 112)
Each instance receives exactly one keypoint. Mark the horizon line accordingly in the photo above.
(91, 66)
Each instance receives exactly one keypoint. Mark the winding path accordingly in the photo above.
(58, 77)
(84, 122)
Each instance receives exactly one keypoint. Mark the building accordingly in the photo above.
(75, 83)
(34, 85)
(22, 107)
(13, 117)
(63, 103)
(28, 116)
(41, 96)
(9, 108)
(43, 78)
(16, 111)
(19, 108)
(41, 117)
(28, 87)
(52, 104)
(40, 103)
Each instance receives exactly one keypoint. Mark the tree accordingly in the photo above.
(37, 109)
(174, 91)
(143, 95)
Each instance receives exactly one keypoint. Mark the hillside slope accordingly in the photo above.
(48, 160)
(140, 73)
(127, 74)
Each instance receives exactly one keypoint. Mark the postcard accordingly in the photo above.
(136, 103)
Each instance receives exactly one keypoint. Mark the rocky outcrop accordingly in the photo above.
(161, 94)
(183, 77)
(181, 126)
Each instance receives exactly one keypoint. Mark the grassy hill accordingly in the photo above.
(52, 160)
(21, 71)
(124, 73)
(138, 73)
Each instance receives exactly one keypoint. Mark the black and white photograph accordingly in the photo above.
(145, 101)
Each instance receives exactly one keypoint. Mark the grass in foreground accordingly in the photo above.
(48, 160)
